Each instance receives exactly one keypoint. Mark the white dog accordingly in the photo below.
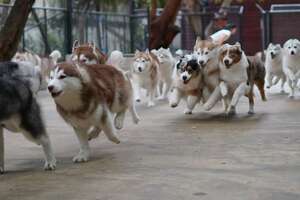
(291, 63)
(273, 64)
(145, 75)
(166, 67)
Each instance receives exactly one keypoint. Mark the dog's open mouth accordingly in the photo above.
(55, 94)
(186, 81)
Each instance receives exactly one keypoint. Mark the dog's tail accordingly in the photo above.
(55, 55)
(115, 59)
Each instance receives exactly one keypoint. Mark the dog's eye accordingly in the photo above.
(206, 53)
(289, 47)
(62, 76)
(295, 47)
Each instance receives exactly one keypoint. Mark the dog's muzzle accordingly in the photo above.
(272, 55)
(292, 53)
(53, 94)
(227, 63)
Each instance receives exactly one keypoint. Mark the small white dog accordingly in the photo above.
(145, 75)
(187, 84)
(273, 66)
(291, 63)
(166, 67)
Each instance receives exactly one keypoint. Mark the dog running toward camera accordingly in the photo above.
(88, 97)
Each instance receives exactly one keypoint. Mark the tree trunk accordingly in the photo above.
(12, 30)
(194, 6)
(162, 28)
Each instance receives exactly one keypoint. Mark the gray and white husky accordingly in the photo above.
(20, 112)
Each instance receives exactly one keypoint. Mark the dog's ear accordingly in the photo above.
(75, 45)
(271, 44)
(278, 46)
(154, 51)
(198, 40)
(238, 46)
(136, 52)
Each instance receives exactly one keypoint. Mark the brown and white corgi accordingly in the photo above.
(145, 75)
(87, 97)
(188, 84)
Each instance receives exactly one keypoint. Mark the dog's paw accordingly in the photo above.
(188, 112)
(206, 107)
(118, 123)
(81, 157)
(291, 96)
(49, 166)
(251, 112)
(136, 120)
(151, 104)
(1, 170)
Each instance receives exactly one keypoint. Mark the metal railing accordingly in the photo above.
(280, 23)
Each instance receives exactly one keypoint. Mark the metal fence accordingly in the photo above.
(280, 23)
(51, 28)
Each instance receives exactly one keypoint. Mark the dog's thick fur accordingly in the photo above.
(291, 63)
(23, 69)
(166, 68)
(88, 96)
(188, 84)
(273, 63)
(87, 53)
(236, 78)
(20, 112)
(207, 56)
(145, 75)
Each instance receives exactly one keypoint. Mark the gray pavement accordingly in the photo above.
(168, 156)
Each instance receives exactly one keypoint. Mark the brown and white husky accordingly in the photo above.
(87, 97)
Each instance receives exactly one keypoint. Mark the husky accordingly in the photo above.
(20, 112)
(206, 52)
(273, 63)
(88, 97)
(291, 63)
(87, 53)
(145, 75)
(166, 68)
(187, 84)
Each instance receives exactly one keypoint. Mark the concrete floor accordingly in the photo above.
(168, 156)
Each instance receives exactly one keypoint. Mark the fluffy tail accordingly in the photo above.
(55, 55)
(115, 59)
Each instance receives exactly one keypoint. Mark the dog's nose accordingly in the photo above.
(201, 62)
(226, 62)
(292, 52)
(50, 88)
(140, 69)
(184, 78)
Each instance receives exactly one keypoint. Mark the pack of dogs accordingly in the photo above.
(92, 92)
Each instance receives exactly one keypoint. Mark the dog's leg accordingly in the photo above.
(191, 103)
(175, 98)
(291, 85)
(134, 114)
(166, 89)
(84, 152)
(251, 101)
(108, 127)
(213, 99)
(276, 80)
(224, 88)
(151, 97)
(119, 119)
(261, 87)
(269, 77)
(240, 91)
(136, 91)
(283, 80)
(94, 133)
(50, 163)
(1, 151)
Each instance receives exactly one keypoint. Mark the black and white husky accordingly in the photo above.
(20, 112)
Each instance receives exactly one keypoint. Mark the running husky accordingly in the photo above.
(273, 65)
(20, 112)
(87, 97)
